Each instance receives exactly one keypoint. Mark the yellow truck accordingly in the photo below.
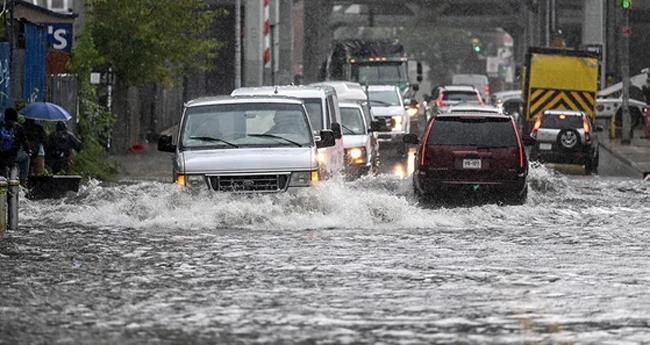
(559, 79)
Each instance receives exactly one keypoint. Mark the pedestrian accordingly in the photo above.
(37, 137)
(59, 148)
(14, 148)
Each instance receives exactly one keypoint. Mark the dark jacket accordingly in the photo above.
(20, 141)
(35, 135)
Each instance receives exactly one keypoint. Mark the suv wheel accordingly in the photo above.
(568, 139)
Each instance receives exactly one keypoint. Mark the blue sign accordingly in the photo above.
(59, 36)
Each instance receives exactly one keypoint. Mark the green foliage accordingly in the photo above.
(95, 122)
(152, 40)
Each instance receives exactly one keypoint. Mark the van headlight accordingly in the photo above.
(356, 155)
(190, 181)
(397, 123)
(304, 178)
(412, 111)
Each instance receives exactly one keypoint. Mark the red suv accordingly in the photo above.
(473, 154)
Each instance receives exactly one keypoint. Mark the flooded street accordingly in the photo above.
(355, 262)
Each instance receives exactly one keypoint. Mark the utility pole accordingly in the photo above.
(237, 44)
(626, 131)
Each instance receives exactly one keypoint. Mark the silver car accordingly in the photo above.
(258, 144)
(567, 137)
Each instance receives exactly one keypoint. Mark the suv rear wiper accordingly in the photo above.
(276, 137)
(215, 140)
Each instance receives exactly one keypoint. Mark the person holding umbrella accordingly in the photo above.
(59, 148)
(46, 111)
(12, 140)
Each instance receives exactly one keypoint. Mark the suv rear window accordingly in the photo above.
(559, 121)
(463, 96)
(473, 131)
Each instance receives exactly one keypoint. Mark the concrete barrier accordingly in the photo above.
(13, 192)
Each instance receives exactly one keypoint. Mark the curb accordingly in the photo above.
(622, 158)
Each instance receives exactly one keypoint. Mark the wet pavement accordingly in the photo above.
(345, 262)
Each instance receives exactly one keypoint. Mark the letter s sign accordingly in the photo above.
(59, 36)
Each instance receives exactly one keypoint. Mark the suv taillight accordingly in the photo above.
(521, 147)
(487, 91)
(587, 129)
(423, 150)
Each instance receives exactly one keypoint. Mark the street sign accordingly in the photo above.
(59, 36)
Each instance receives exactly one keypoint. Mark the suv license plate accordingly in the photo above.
(544, 146)
(471, 164)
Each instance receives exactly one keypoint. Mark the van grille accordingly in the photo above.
(250, 183)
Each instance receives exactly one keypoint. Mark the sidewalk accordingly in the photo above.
(636, 155)
(149, 165)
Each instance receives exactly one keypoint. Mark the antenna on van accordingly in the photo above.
(275, 91)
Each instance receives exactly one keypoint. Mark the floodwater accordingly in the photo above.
(343, 263)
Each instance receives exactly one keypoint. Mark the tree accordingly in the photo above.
(151, 41)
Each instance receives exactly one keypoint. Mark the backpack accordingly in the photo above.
(7, 139)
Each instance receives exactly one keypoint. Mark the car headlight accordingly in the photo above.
(190, 181)
(304, 178)
(356, 155)
(397, 123)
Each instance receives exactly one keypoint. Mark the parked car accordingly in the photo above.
(386, 104)
(361, 147)
(471, 154)
(568, 137)
(479, 81)
(323, 109)
(246, 145)
(445, 96)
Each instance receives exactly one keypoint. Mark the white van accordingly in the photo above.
(246, 145)
(324, 114)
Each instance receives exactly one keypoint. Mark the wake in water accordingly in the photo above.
(380, 202)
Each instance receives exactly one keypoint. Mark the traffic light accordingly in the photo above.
(626, 4)
(476, 45)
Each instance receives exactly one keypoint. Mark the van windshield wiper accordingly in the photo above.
(276, 137)
(348, 129)
(215, 140)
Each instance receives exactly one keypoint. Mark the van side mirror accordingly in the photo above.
(336, 129)
(411, 139)
(419, 68)
(416, 87)
(379, 125)
(165, 144)
(327, 139)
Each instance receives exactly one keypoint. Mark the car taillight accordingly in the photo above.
(536, 127)
(487, 91)
(439, 102)
(423, 151)
(521, 147)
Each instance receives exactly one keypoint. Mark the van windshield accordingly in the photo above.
(385, 98)
(314, 108)
(352, 121)
(245, 125)
(473, 131)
